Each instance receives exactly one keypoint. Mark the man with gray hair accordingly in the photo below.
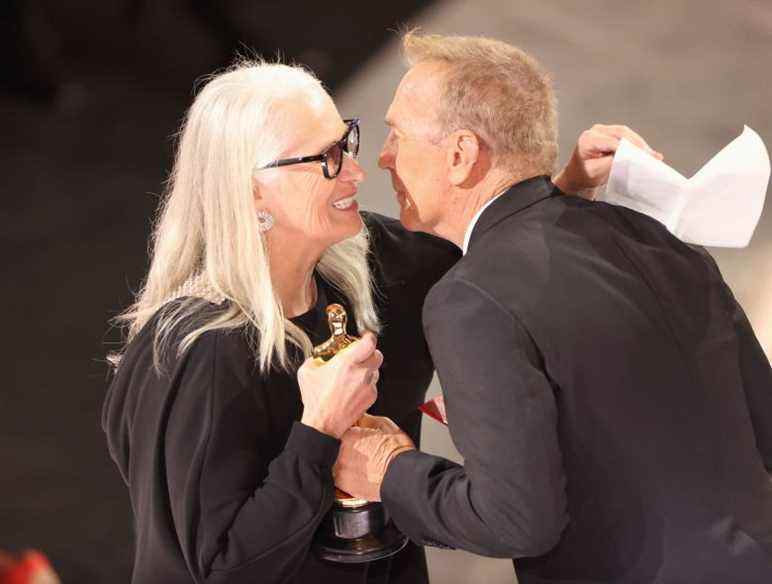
(608, 395)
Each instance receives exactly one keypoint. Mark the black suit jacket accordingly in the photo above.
(610, 399)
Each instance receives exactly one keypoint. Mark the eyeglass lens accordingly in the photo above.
(335, 153)
(334, 160)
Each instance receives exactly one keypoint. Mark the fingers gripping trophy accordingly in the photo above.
(355, 530)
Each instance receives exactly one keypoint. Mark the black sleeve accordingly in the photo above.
(508, 500)
(755, 370)
(756, 376)
(240, 517)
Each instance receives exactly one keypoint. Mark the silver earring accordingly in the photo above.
(264, 221)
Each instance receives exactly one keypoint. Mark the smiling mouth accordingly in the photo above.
(343, 204)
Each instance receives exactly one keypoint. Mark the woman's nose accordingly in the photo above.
(352, 170)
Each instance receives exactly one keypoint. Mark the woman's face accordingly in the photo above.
(310, 210)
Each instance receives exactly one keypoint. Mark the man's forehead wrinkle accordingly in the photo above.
(416, 98)
(424, 83)
(398, 111)
(432, 72)
(415, 109)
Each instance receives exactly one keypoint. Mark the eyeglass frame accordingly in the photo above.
(352, 124)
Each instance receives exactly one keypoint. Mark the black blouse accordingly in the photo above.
(225, 484)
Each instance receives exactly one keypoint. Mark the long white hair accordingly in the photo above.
(206, 243)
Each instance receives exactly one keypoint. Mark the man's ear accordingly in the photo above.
(462, 155)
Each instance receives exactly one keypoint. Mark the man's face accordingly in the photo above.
(411, 153)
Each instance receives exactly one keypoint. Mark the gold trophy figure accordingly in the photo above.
(355, 530)
(339, 339)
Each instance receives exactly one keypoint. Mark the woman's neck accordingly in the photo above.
(292, 275)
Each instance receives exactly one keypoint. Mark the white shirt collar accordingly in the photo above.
(473, 222)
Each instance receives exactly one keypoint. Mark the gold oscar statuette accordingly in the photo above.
(339, 340)
(355, 530)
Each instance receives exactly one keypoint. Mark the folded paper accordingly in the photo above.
(719, 206)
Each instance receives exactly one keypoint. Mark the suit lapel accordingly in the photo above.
(518, 198)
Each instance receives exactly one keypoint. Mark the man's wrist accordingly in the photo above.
(394, 454)
(561, 181)
(391, 469)
(570, 188)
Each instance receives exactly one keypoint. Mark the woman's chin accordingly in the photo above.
(347, 223)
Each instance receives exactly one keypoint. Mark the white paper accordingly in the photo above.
(719, 206)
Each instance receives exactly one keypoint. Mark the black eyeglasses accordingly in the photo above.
(332, 158)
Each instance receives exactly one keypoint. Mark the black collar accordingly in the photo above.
(517, 198)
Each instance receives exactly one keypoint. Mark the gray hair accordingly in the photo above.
(497, 91)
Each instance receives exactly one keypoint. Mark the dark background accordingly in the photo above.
(91, 93)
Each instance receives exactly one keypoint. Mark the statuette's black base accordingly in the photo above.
(354, 535)
(363, 549)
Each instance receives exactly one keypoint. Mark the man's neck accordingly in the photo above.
(466, 203)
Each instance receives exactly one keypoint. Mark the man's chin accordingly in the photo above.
(410, 221)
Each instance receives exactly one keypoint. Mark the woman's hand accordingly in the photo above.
(590, 163)
(337, 393)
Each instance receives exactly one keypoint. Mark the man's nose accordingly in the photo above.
(386, 157)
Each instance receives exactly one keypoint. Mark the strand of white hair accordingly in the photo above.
(207, 230)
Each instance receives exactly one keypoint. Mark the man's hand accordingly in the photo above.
(365, 453)
(590, 163)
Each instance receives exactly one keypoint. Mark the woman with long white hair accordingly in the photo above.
(228, 459)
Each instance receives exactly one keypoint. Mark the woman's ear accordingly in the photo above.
(259, 195)
(256, 194)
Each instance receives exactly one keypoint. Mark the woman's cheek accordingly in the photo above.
(320, 199)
